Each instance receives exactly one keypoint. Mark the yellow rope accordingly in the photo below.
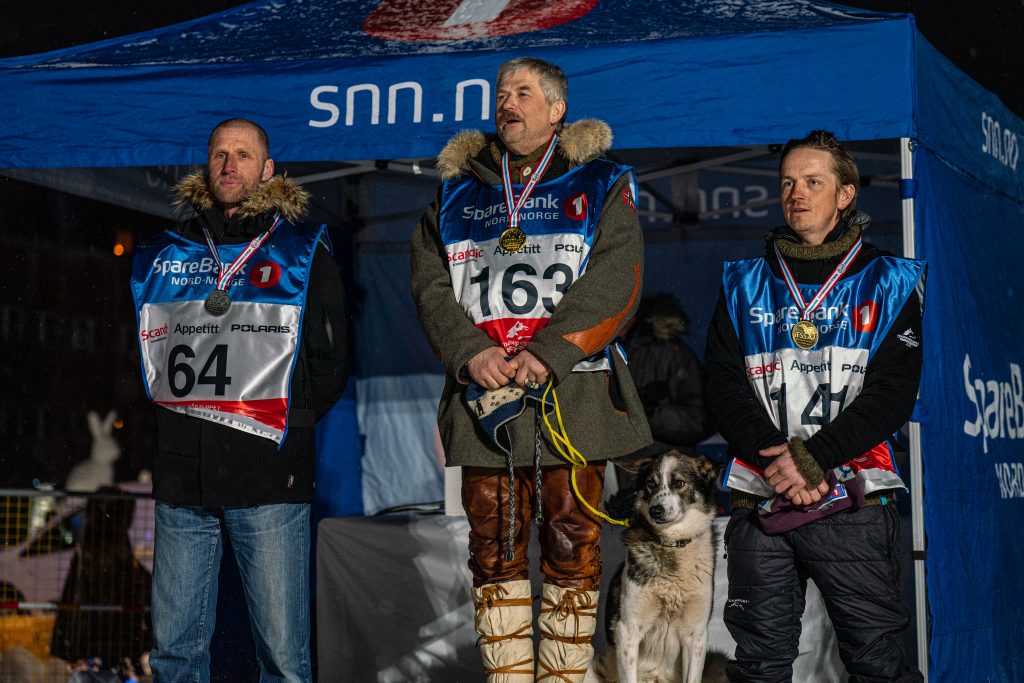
(569, 452)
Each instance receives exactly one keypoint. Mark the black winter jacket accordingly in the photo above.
(667, 376)
(202, 463)
(890, 383)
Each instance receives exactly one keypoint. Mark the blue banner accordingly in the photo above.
(967, 125)
(973, 430)
(675, 78)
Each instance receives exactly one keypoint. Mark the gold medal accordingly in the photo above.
(512, 240)
(804, 334)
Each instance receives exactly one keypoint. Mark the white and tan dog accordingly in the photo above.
(660, 599)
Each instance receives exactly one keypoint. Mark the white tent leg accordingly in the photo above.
(916, 483)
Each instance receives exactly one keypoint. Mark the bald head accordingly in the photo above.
(261, 135)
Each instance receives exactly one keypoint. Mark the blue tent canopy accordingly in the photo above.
(346, 80)
(690, 74)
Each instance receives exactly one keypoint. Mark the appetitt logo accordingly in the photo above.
(865, 316)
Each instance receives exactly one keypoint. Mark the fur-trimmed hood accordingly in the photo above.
(279, 192)
(578, 143)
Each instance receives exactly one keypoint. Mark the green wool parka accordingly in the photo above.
(601, 411)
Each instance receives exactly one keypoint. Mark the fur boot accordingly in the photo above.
(567, 621)
(504, 620)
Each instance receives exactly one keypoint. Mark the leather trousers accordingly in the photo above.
(570, 535)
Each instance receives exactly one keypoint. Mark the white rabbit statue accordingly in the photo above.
(98, 470)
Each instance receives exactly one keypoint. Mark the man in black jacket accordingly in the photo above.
(812, 363)
(242, 332)
(667, 375)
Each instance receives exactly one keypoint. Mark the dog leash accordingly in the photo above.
(564, 446)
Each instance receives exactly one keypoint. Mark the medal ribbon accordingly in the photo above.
(513, 205)
(227, 271)
(829, 284)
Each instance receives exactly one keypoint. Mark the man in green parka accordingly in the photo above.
(525, 269)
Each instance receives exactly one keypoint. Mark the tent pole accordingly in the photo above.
(916, 477)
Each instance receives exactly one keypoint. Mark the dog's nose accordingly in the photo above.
(657, 511)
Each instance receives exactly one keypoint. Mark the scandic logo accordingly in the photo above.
(155, 334)
(465, 255)
(766, 369)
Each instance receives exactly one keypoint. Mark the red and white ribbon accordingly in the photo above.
(809, 307)
(227, 271)
(511, 203)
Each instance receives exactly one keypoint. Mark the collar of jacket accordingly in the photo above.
(474, 152)
(278, 193)
(835, 244)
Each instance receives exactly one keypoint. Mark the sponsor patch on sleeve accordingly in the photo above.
(908, 338)
(627, 199)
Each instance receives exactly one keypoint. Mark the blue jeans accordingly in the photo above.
(271, 545)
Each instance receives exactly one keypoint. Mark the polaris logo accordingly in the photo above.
(272, 329)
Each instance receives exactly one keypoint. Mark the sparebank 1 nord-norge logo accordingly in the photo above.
(996, 404)
(431, 20)
(265, 274)
(865, 316)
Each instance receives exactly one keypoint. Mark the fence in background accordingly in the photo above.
(75, 579)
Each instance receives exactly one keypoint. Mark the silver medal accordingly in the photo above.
(217, 303)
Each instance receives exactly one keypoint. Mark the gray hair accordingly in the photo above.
(553, 82)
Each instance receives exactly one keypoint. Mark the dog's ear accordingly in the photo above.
(636, 461)
(632, 463)
(707, 470)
